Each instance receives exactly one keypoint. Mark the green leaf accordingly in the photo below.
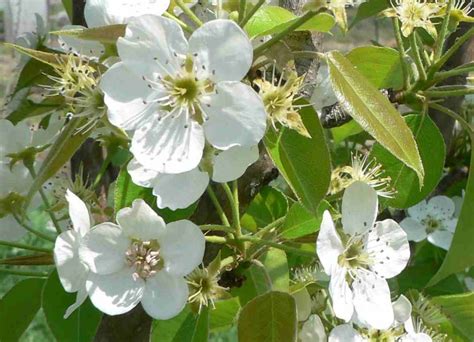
(270, 317)
(224, 314)
(276, 266)
(104, 34)
(80, 326)
(18, 308)
(369, 9)
(33, 73)
(300, 222)
(184, 327)
(428, 139)
(373, 112)
(322, 22)
(340, 133)
(52, 59)
(380, 65)
(459, 258)
(69, 8)
(256, 282)
(303, 162)
(269, 205)
(29, 109)
(459, 309)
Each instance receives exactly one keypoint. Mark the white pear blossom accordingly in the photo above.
(141, 260)
(433, 220)
(177, 191)
(313, 330)
(361, 258)
(174, 95)
(72, 271)
(345, 333)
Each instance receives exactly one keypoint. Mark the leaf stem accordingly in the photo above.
(402, 53)
(24, 273)
(270, 226)
(216, 239)
(217, 205)
(23, 246)
(457, 91)
(438, 50)
(417, 57)
(188, 12)
(249, 15)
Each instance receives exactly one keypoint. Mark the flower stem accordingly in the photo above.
(180, 22)
(217, 205)
(242, 9)
(249, 15)
(24, 273)
(443, 32)
(216, 239)
(216, 228)
(279, 36)
(285, 248)
(416, 54)
(402, 53)
(23, 246)
(455, 116)
(33, 231)
(449, 91)
(270, 226)
(188, 12)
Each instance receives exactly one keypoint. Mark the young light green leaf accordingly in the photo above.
(104, 34)
(80, 326)
(429, 139)
(52, 59)
(322, 22)
(369, 9)
(460, 311)
(29, 109)
(303, 162)
(18, 308)
(300, 222)
(270, 317)
(276, 265)
(224, 314)
(373, 112)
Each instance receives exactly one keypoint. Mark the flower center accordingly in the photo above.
(431, 224)
(145, 257)
(354, 256)
(185, 90)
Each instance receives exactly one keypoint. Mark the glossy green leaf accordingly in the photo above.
(303, 162)
(255, 282)
(428, 139)
(270, 317)
(104, 34)
(373, 112)
(18, 308)
(380, 65)
(50, 58)
(276, 266)
(33, 73)
(80, 326)
(322, 22)
(224, 315)
(300, 222)
(457, 259)
(269, 205)
(349, 129)
(369, 9)
(459, 309)
(30, 109)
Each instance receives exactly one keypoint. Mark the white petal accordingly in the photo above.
(165, 295)
(312, 330)
(140, 221)
(182, 247)
(103, 248)
(416, 337)
(341, 294)
(303, 304)
(441, 206)
(372, 300)
(458, 202)
(344, 333)
(80, 298)
(323, 95)
(150, 44)
(13, 138)
(441, 238)
(116, 293)
(141, 175)
(80, 46)
(10, 229)
(78, 213)
(95, 13)
(237, 116)
(414, 229)
(71, 271)
(170, 145)
(450, 224)
(388, 247)
(402, 309)
(177, 191)
(328, 244)
(15, 180)
(359, 208)
(224, 52)
(232, 163)
(128, 97)
(419, 211)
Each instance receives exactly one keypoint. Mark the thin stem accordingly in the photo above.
(24, 273)
(236, 210)
(233, 205)
(309, 54)
(33, 231)
(438, 50)
(462, 91)
(188, 12)
(460, 70)
(180, 22)
(270, 226)
(279, 36)
(102, 170)
(242, 9)
(416, 54)
(216, 228)
(23, 246)
(402, 53)
(249, 15)
(217, 205)
(216, 239)
(276, 245)
(455, 116)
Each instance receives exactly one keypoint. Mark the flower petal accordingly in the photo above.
(372, 301)
(359, 208)
(414, 229)
(312, 330)
(128, 97)
(328, 244)
(80, 298)
(232, 163)
(419, 211)
(115, 293)
(141, 175)
(388, 246)
(173, 144)
(150, 46)
(341, 294)
(140, 221)
(178, 191)
(182, 247)
(78, 213)
(103, 248)
(441, 207)
(222, 50)
(165, 295)
(441, 238)
(344, 333)
(402, 309)
(237, 116)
